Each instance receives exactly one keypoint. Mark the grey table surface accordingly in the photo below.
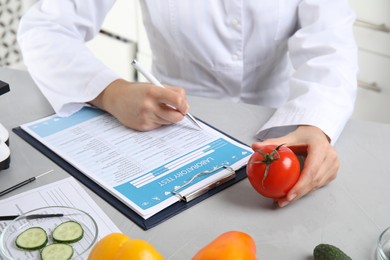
(349, 213)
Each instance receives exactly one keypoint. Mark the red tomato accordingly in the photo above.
(273, 170)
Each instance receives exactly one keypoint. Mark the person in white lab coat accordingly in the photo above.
(298, 56)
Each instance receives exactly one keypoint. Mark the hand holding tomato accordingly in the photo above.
(273, 170)
(321, 161)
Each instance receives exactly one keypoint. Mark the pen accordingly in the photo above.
(23, 183)
(34, 216)
(155, 82)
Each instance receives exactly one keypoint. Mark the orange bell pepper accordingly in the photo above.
(120, 247)
(232, 245)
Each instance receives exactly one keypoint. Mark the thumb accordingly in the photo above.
(274, 141)
(298, 149)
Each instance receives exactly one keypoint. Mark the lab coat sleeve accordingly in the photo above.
(52, 36)
(323, 86)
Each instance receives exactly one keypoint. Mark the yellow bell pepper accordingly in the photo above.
(120, 247)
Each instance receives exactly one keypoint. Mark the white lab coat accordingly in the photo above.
(298, 56)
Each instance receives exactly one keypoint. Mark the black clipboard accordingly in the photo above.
(145, 224)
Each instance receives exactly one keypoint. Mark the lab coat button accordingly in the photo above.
(234, 57)
(234, 22)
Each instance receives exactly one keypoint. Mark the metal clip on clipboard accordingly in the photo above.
(194, 194)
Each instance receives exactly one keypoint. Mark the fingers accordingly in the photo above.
(168, 105)
(300, 150)
(158, 108)
(286, 140)
(168, 115)
(320, 168)
(173, 97)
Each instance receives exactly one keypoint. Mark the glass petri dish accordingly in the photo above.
(9, 250)
(383, 247)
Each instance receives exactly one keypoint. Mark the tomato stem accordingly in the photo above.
(268, 158)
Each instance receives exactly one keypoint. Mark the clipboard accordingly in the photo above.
(186, 201)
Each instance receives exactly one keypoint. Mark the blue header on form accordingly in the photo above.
(58, 124)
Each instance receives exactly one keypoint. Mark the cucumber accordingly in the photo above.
(33, 238)
(57, 252)
(329, 252)
(68, 232)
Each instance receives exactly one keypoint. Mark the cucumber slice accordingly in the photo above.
(33, 238)
(57, 252)
(68, 232)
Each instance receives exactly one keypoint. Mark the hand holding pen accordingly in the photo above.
(143, 106)
(155, 82)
